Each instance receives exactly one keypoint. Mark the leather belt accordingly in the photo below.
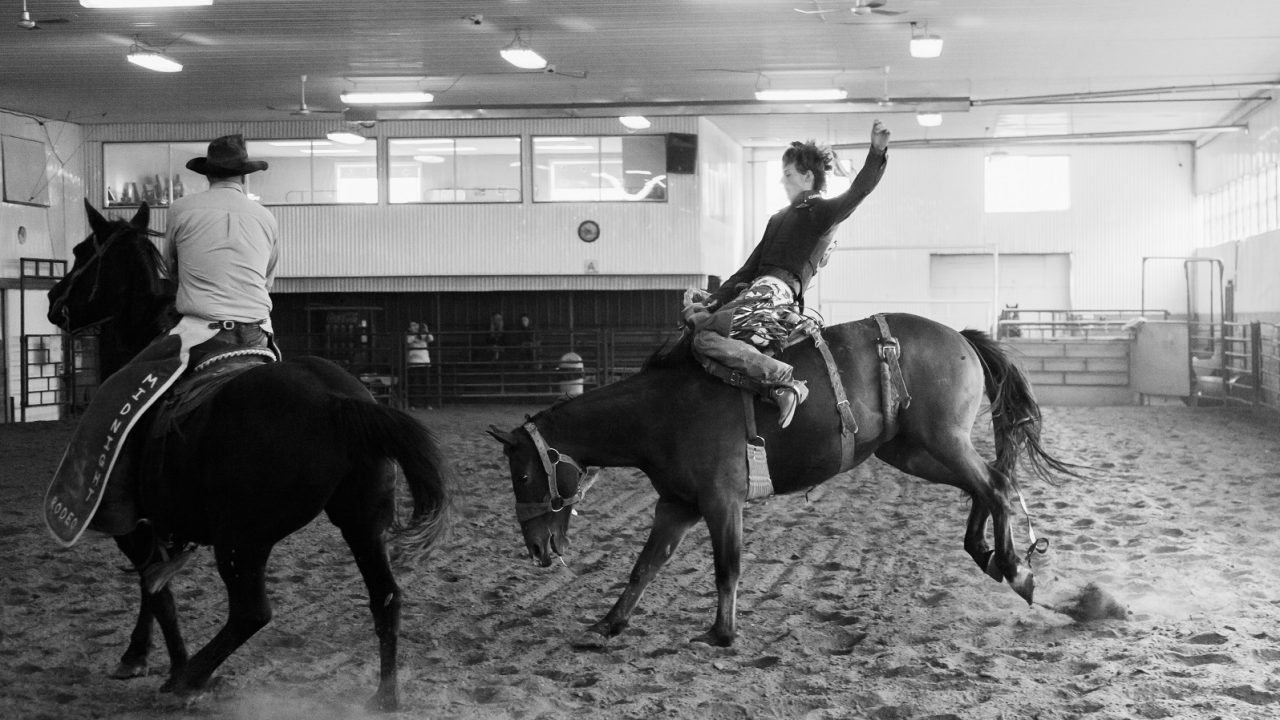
(233, 324)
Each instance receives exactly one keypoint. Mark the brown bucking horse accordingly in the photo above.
(685, 430)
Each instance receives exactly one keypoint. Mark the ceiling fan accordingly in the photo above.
(553, 70)
(28, 23)
(872, 7)
(860, 7)
(303, 109)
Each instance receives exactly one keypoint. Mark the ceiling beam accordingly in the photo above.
(661, 109)
(1157, 135)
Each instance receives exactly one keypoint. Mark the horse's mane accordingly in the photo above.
(669, 355)
(140, 243)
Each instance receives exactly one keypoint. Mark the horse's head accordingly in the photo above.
(117, 263)
(547, 484)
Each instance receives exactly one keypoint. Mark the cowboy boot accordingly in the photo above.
(788, 398)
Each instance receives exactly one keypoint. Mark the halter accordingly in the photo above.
(551, 458)
(99, 250)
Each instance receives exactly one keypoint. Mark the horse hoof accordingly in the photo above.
(992, 568)
(589, 640)
(713, 639)
(383, 702)
(1024, 583)
(129, 671)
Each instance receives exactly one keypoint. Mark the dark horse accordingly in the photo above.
(274, 447)
(685, 430)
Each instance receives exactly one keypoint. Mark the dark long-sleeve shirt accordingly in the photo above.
(797, 236)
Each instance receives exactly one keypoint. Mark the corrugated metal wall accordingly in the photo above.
(1127, 202)
(47, 232)
(1238, 180)
(722, 188)
(1231, 156)
(657, 241)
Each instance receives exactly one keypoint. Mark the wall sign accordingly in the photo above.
(588, 231)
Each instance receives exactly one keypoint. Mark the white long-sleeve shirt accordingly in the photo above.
(222, 249)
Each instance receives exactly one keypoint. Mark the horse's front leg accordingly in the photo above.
(724, 520)
(671, 521)
(243, 571)
(137, 546)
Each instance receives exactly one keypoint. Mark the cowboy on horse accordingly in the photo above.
(221, 249)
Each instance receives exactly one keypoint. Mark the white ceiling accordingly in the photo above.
(1125, 67)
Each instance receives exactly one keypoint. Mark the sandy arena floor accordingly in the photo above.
(857, 601)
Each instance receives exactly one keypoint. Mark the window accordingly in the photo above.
(628, 168)
(315, 172)
(454, 170)
(301, 172)
(1027, 183)
(154, 173)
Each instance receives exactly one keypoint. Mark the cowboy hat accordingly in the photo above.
(227, 157)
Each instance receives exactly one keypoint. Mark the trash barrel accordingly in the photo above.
(571, 369)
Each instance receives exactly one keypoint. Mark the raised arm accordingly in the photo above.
(842, 205)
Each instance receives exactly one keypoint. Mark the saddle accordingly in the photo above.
(176, 411)
(894, 394)
(207, 376)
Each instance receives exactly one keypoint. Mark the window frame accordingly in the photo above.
(660, 176)
(392, 160)
(177, 168)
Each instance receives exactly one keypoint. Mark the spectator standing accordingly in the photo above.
(417, 344)
(497, 337)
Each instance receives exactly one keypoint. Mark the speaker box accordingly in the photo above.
(682, 153)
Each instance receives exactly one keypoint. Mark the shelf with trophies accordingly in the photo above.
(154, 173)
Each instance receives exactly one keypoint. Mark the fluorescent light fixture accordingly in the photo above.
(429, 159)
(109, 4)
(929, 119)
(799, 95)
(928, 46)
(152, 60)
(924, 45)
(414, 97)
(346, 137)
(295, 143)
(634, 122)
(518, 53)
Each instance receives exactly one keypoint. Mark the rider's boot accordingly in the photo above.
(788, 398)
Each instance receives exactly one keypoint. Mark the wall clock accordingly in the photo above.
(588, 231)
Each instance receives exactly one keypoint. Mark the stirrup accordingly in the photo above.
(158, 573)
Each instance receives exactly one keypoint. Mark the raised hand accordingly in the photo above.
(879, 136)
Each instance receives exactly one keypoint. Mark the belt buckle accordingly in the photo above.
(227, 324)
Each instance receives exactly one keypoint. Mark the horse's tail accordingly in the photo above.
(381, 432)
(1015, 415)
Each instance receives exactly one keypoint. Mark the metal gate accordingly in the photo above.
(45, 360)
